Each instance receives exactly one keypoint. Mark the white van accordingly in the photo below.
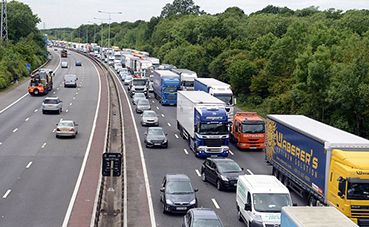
(260, 199)
(64, 64)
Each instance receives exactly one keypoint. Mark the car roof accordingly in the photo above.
(66, 121)
(203, 213)
(143, 100)
(177, 177)
(51, 97)
(152, 128)
(149, 111)
(221, 159)
(69, 75)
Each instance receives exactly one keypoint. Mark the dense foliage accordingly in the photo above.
(277, 60)
(25, 44)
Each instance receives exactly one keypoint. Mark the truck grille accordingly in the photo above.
(214, 150)
(139, 89)
(272, 225)
(172, 97)
(363, 222)
(213, 142)
(360, 212)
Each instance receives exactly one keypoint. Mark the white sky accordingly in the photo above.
(73, 13)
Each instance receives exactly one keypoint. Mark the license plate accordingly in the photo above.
(157, 144)
(181, 208)
(213, 156)
(50, 106)
(65, 130)
(252, 147)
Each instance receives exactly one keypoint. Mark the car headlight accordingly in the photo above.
(165, 140)
(258, 218)
(193, 202)
(169, 202)
(223, 178)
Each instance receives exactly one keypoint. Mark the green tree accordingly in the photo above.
(180, 7)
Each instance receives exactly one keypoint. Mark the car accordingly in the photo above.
(66, 128)
(55, 49)
(78, 63)
(155, 137)
(128, 79)
(137, 96)
(123, 70)
(142, 104)
(52, 104)
(64, 64)
(177, 193)
(223, 172)
(149, 117)
(70, 80)
(123, 76)
(117, 66)
(201, 217)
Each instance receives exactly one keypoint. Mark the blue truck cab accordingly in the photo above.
(165, 86)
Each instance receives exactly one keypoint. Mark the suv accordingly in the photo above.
(223, 172)
(52, 104)
(70, 80)
(138, 85)
(201, 217)
(177, 193)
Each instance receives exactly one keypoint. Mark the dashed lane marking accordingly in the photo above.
(36, 110)
(29, 165)
(231, 152)
(215, 203)
(27, 119)
(249, 171)
(43, 145)
(198, 172)
(185, 151)
(176, 136)
(6, 194)
(169, 124)
(15, 130)
(162, 115)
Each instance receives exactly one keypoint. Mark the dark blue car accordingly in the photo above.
(78, 63)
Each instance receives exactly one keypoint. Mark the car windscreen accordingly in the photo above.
(157, 132)
(143, 102)
(228, 167)
(51, 101)
(139, 95)
(179, 187)
(358, 191)
(207, 223)
(149, 114)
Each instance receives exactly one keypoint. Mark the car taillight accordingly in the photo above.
(58, 129)
(72, 130)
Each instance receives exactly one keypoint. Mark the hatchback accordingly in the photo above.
(149, 117)
(70, 80)
(142, 104)
(155, 137)
(128, 79)
(78, 63)
(64, 64)
(223, 172)
(177, 193)
(201, 217)
(52, 104)
(66, 128)
(137, 96)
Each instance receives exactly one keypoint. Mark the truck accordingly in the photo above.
(138, 85)
(219, 90)
(202, 120)
(259, 200)
(323, 164)
(155, 61)
(187, 78)
(41, 82)
(247, 131)
(64, 53)
(314, 217)
(165, 86)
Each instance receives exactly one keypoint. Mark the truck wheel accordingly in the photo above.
(312, 201)
(275, 172)
(285, 181)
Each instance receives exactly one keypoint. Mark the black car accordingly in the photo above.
(177, 193)
(155, 137)
(201, 217)
(223, 172)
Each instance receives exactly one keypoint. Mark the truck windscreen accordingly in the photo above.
(264, 202)
(358, 191)
(225, 98)
(170, 89)
(213, 129)
(139, 82)
(257, 128)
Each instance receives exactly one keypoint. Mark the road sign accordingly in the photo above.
(28, 67)
(112, 160)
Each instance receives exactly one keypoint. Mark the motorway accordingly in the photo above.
(38, 172)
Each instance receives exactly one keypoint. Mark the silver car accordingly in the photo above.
(142, 104)
(66, 128)
(137, 96)
(128, 80)
(52, 104)
(149, 117)
(70, 80)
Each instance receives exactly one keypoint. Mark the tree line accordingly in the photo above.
(25, 44)
(277, 60)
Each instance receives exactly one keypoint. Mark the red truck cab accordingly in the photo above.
(248, 131)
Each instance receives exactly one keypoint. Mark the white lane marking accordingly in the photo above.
(169, 124)
(15, 130)
(29, 165)
(60, 85)
(43, 145)
(162, 115)
(215, 203)
(79, 89)
(66, 111)
(198, 172)
(185, 151)
(153, 101)
(54, 129)
(74, 97)
(249, 171)
(76, 93)
(27, 119)
(61, 119)
(6, 194)
(54, 92)
(1, 143)
(57, 89)
(231, 152)
(157, 107)
(12, 104)
(70, 104)
(36, 110)
(176, 136)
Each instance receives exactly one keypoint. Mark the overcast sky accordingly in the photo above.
(73, 13)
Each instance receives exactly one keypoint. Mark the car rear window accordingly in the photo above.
(51, 101)
(69, 124)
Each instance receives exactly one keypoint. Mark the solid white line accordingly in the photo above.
(162, 115)
(176, 136)
(215, 203)
(43, 145)
(198, 172)
(249, 171)
(79, 180)
(231, 152)
(15, 130)
(36, 110)
(27, 119)
(12, 104)
(169, 124)
(29, 165)
(185, 151)
(6, 194)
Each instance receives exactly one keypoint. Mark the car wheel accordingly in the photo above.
(219, 185)
(43, 111)
(56, 136)
(164, 211)
(74, 136)
(203, 176)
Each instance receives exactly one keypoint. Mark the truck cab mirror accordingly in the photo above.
(248, 207)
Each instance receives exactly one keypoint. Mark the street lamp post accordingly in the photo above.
(102, 29)
(110, 13)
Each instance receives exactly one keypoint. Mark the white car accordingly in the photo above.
(64, 64)
(66, 128)
(52, 104)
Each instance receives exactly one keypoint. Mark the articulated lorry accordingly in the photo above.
(187, 78)
(165, 86)
(41, 82)
(202, 120)
(314, 217)
(219, 90)
(323, 164)
(248, 131)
